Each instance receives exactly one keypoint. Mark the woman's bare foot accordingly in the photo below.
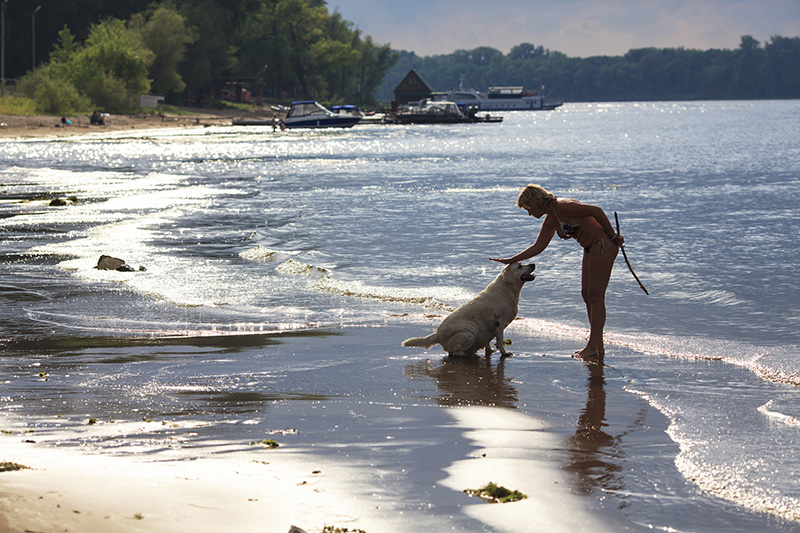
(589, 354)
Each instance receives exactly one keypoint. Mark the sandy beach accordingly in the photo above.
(472, 435)
(16, 126)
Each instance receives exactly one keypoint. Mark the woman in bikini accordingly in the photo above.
(589, 225)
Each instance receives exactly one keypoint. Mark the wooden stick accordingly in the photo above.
(626, 259)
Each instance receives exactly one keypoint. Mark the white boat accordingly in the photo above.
(354, 110)
(439, 112)
(500, 99)
(312, 114)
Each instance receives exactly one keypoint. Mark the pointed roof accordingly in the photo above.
(412, 87)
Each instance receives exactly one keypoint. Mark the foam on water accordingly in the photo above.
(767, 410)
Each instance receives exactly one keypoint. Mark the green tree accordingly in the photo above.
(111, 68)
(108, 71)
(166, 34)
(373, 64)
(301, 50)
(782, 55)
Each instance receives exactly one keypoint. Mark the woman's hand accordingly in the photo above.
(505, 261)
(618, 239)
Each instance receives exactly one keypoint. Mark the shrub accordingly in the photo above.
(58, 97)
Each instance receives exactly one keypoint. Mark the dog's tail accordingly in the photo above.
(422, 342)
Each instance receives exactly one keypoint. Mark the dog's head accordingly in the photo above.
(519, 273)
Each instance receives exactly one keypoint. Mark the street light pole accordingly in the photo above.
(33, 36)
(3, 49)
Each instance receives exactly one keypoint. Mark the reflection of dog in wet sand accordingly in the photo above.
(473, 325)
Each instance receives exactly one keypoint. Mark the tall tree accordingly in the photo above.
(165, 33)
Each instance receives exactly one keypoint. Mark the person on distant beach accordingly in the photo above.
(589, 225)
(97, 119)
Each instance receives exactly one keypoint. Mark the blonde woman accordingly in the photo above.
(589, 225)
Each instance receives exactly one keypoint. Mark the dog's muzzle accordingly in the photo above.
(528, 276)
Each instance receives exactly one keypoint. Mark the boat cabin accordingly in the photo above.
(307, 108)
(507, 92)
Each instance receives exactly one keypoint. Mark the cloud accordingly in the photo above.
(578, 28)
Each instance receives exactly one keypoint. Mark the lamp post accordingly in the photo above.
(33, 37)
(3, 49)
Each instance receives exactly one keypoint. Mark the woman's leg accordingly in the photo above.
(594, 282)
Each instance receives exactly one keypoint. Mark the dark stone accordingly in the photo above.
(106, 262)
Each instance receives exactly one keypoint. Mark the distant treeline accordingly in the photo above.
(105, 53)
(752, 71)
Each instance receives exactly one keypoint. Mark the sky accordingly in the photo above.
(577, 28)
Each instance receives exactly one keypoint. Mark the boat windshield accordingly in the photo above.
(505, 92)
(304, 109)
(442, 108)
(462, 96)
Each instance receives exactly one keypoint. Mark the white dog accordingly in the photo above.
(473, 325)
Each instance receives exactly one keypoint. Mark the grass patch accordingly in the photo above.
(496, 494)
(167, 109)
(6, 466)
(16, 105)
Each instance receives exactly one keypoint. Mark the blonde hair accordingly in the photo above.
(535, 196)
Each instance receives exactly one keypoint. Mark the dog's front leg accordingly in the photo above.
(501, 343)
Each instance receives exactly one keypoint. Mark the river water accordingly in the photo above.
(246, 233)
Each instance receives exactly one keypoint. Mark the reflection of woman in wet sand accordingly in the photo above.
(591, 444)
(468, 381)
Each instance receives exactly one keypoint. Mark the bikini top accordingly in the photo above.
(568, 231)
(565, 231)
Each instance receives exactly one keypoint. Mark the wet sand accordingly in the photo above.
(363, 459)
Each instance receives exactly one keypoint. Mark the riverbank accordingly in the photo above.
(18, 126)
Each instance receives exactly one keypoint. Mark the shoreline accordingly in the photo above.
(20, 126)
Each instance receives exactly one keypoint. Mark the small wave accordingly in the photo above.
(354, 289)
(259, 253)
(771, 363)
(125, 330)
(767, 411)
(322, 281)
(728, 485)
(292, 266)
(777, 375)
(552, 330)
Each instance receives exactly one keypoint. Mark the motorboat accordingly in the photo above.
(312, 114)
(439, 112)
(366, 118)
(347, 109)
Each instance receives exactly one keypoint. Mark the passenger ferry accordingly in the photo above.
(500, 99)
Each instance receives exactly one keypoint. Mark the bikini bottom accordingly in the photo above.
(601, 247)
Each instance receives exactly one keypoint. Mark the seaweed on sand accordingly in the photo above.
(6, 466)
(269, 443)
(496, 494)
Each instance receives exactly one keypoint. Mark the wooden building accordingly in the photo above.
(411, 89)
